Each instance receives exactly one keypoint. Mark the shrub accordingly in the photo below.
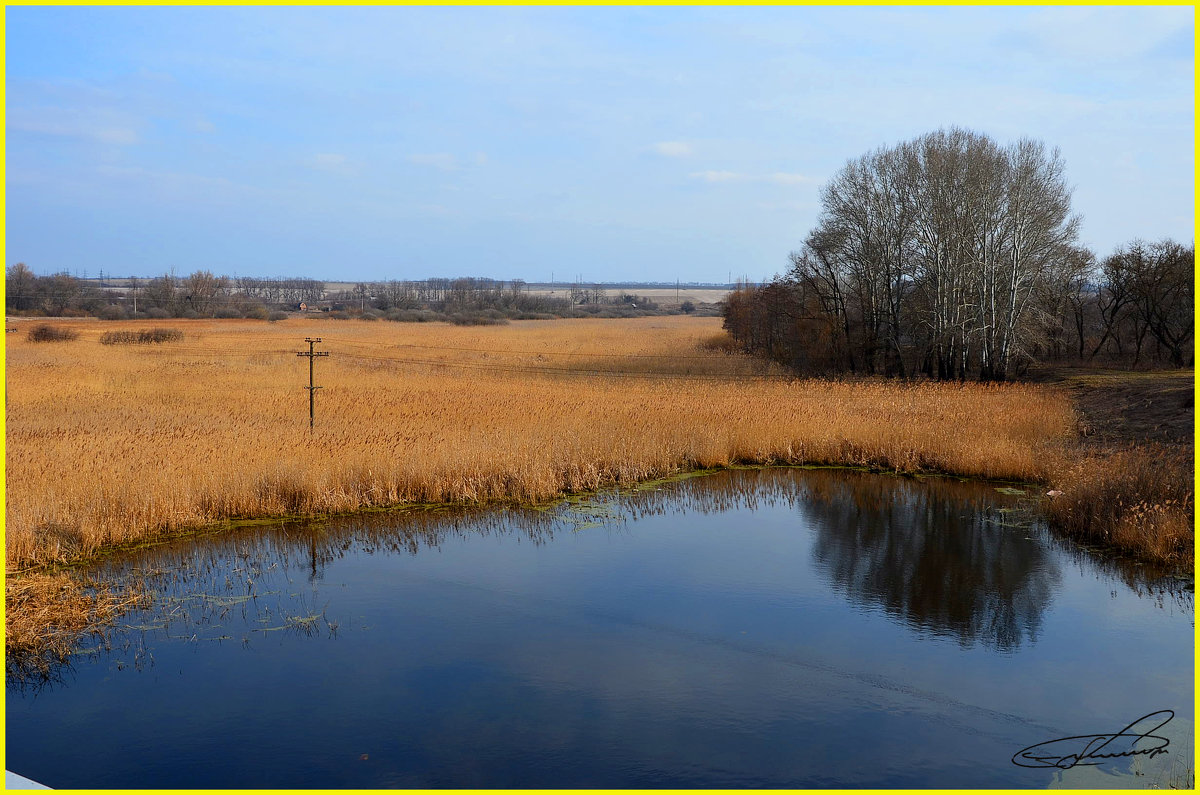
(277, 316)
(44, 332)
(721, 342)
(227, 313)
(414, 316)
(259, 312)
(157, 313)
(111, 312)
(477, 319)
(190, 314)
(143, 337)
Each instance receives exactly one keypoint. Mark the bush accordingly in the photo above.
(371, 314)
(190, 314)
(258, 312)
(277, 316)
(143, 337)
(338, 315)
(157, 313)
(477, 319)
(111, 312)
(720, 342)
(47, 333)
(414, 316)
(227, 313)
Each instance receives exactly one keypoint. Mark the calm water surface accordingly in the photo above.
(753, 628)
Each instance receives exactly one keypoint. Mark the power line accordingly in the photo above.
(312, 390)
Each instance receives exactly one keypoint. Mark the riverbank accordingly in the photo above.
(116, 445)
(110, 444)
(1129, 485)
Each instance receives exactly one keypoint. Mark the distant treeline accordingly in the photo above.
(952, 257)
(204, 295)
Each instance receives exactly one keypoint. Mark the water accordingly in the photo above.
(753, 628)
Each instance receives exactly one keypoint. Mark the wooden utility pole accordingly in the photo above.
(312, 390)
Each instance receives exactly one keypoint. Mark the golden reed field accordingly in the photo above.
(108, 444)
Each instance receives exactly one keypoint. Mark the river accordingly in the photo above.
(756, 628)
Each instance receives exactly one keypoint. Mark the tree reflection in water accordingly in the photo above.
(949, 558)
(944, 557)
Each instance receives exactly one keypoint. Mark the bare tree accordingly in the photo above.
(932, 254)
(202, 291)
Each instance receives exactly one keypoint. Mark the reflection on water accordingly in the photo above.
(940, 559)
(753, 628)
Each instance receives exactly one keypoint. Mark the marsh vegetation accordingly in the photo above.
(112, 444)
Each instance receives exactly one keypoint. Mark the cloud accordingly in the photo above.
(177, 186)
(783, 178)
(443, 161)
(332, 163)
(718, 176)
(789, 207)
(673, 148)
(99, 125)
(778, 177)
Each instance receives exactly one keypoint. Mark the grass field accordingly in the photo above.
(109, 444)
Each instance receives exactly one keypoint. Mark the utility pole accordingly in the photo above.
(312, 390)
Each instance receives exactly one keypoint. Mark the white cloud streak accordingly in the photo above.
(673, 148)
(777, 178)
(442, 161)
(99, 125)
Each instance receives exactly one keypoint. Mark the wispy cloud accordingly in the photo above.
(99, 125)
(443, 161)
(718, 176)
(777, 178)
(673, 148)
(784, 178)
(333, 163)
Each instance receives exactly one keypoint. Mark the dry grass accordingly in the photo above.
(46, 615)
(112, 444)
(1138, 500)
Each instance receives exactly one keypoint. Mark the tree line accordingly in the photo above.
(953, 256)
(203, 294)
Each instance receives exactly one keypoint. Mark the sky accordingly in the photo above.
(598, 144)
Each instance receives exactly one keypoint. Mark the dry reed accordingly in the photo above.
(46, 616)
(109, 445)
(1138, 500)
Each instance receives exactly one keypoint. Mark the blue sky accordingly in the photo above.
(607, 144)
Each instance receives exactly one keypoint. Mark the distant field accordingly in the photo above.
(662, 295)
(112, 443)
